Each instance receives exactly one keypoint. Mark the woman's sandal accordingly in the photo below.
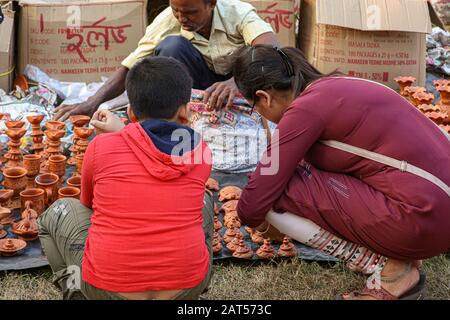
(416, 293)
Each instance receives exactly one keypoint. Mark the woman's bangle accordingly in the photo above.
(267, 229)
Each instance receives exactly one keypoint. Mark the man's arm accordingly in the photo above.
(228, 89)
(112, 88)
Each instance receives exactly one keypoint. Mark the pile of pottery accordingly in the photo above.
(233, 237)
(32, 182)
(439, 113)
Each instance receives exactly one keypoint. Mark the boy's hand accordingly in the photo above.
(105, 121)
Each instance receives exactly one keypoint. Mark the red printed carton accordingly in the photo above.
(79, 41)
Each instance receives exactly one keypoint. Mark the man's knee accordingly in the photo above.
(174, 46)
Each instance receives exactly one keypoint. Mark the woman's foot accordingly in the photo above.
(397, 278)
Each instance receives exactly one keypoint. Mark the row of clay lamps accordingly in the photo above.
(420, 98)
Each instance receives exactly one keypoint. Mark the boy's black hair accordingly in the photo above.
(157, 87)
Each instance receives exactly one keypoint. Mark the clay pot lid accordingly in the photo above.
(15, 172)
(16, 133)
(6, 194)
(212, 184)
(12, 245)
(230, 193)
(15, 124)
(403, 80)
(412, 90)
(83, 132)
(266, 250)
(229, 206)
(54, 125)
(287, 248)
(428, 108)
(35, 118)
(55, 134)
(242, 251)
(423, 96)
(79, 120)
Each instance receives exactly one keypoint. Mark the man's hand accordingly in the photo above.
(219, 92)
(105, 121)
(63, 112)
(272, 232)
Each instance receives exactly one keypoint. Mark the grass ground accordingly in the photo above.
(285, 280)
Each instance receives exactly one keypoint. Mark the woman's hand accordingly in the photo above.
(105, 121)
(269, 231)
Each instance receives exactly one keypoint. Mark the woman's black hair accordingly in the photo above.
(265, 67)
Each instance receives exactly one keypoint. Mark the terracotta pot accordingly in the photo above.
(83, 133)
(69, 192)
(36, 197)
(404, 82)
(32, 163)
(15, 179)
(54, 125)
(74, 182)
(57, 165)
(35, 119)
(49, 183)
(9, 247)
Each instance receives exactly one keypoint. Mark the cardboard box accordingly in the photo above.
(7, 48)
(373, 39)
(79, 40)
(282, 15)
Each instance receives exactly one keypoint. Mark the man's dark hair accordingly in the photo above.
(157, 87)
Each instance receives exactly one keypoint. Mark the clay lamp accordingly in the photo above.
(234, 244)
(424, 108)
(54, 141)
(55, 125)
(10, 247)
(212, 184)
(230, 234)
(266, 251)
(287, 249)
(404, 82)
(36, 132)
(441, 82)
(77, 121)
(26, 228)
(5, 212)
(423, 98)
(257, 237)
(242, 251)
(15, 124)
(217, 224)
(230, 193)
(229, 206)
(445, 97)
(233, 223)
(412, 90)
(436, 117)
(230, 216)
(14, 155)
(217, 243)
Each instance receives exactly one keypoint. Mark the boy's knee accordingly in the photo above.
(173, 46)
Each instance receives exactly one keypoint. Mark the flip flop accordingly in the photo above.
(418, 292)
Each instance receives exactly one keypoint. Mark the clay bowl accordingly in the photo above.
(83, 133)
(16, 133)
(9, 247)
(14, 124)
(79, 120)
(74, 182)
(54, 125)
(55, 134)
(35, 119)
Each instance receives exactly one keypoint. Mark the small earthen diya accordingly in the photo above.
(257, 237)
(229, 206)
(5, 213)
(212, 184)
(411, 91)
(441, 83)
(287, 249)
(217, 243)
(233, 244)
(14, 124)
(26, 228)
(424, 108)
(14, 156)
(217, 224)
(423, 98)
(36, 133)
(77, 121)
(230, 193)
(242, 251)
(230, 234)
(10, 247)
(266, 251)
(404, 82)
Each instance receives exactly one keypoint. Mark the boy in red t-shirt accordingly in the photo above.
(143, 227)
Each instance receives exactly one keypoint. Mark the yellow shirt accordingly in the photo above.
(234, 25)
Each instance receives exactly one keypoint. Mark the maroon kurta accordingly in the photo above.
(394, 213)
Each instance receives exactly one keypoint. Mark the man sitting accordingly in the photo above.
(143, 229)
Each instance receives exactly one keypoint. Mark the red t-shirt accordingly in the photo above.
(146, 228)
